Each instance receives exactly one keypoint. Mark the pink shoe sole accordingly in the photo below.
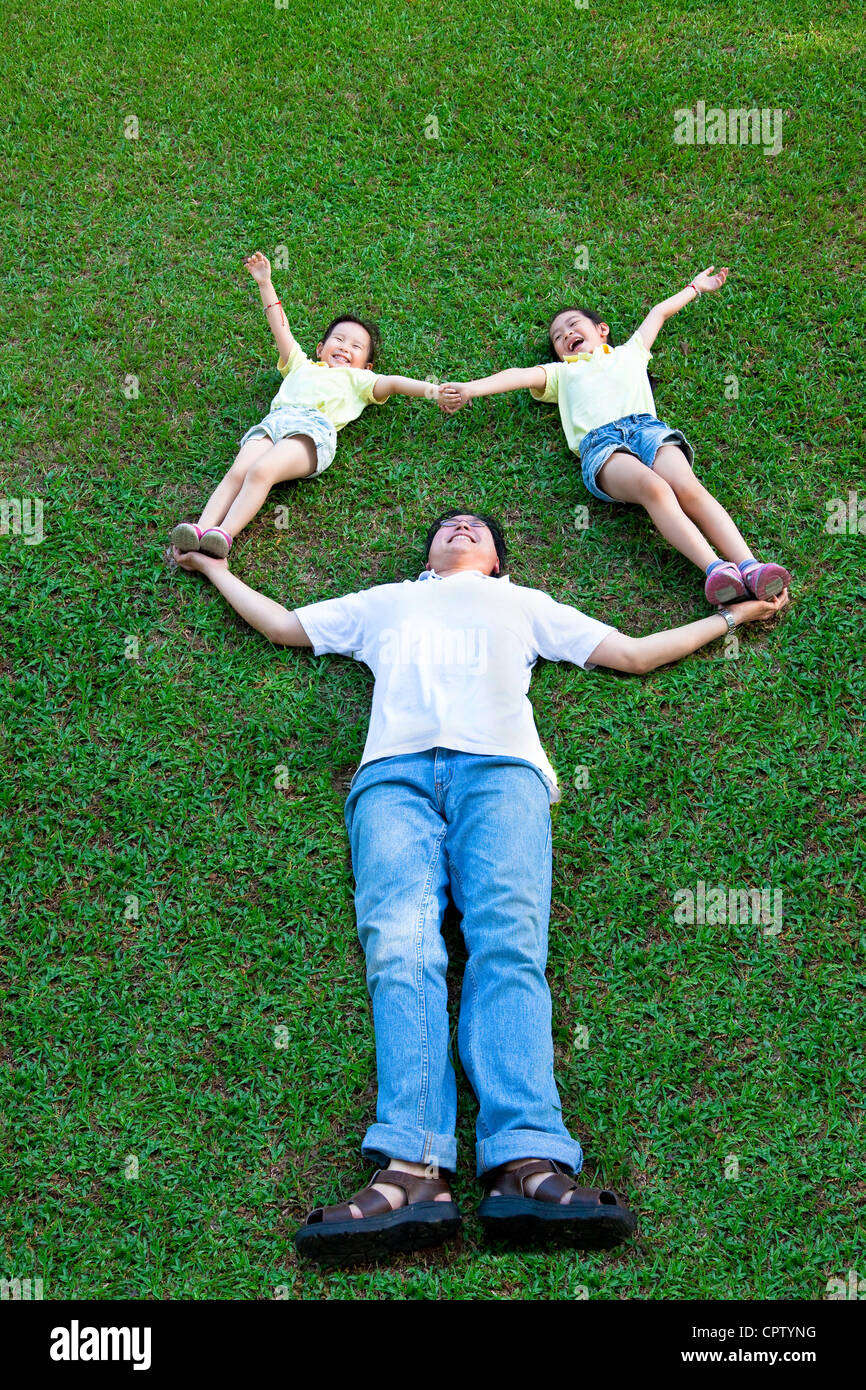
(724, 585)
(767, 581)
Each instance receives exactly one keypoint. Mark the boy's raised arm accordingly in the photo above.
(278, 624)
(260, 268)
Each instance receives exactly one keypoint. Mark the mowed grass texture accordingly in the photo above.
(187, 1058)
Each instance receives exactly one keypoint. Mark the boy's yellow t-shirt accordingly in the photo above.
(594, 388)
(340, 393)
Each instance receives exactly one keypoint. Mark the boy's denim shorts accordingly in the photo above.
(287, 420)
(641, 435)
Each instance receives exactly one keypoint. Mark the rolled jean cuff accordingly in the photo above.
(384, 1142)
(527, 1143)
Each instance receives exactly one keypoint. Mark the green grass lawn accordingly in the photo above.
(166, 907)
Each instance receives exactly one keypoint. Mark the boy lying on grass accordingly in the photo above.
(298, 436)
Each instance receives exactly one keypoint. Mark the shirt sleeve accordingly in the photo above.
(336, 625)
(551, 384)
(363, 382)
(297, 357)
(563, 633)
(636, 346)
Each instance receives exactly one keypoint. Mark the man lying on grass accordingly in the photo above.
(453, 793)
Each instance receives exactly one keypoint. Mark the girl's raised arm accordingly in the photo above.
(659, 315)
(260, 268)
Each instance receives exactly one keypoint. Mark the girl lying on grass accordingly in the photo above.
(298, 436)
(627, 454)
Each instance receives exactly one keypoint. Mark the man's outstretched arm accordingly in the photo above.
(637, 655)
(277, 623)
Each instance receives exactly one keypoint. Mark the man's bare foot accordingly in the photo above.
(531, 1182)
(395, 1195)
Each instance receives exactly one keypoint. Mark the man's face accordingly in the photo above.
(347, 345)
(572, 332)
(462, 543)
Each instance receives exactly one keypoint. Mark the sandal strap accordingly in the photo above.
(511, 1181)
(417, 1189)
(553, 1188)
(587, 1196)
(556, 1186)
(373, 1203)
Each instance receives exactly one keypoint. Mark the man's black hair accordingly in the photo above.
(490, 522)
(370, 328)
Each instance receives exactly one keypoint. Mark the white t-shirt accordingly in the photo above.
(452, 657)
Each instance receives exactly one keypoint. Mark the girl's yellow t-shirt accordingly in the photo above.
(594, 388)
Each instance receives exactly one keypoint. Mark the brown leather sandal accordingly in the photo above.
(332, 1235)
(593, 1218)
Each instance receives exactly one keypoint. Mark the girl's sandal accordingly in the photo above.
(215, 541)
(592, 1219)
(332, 1235)
(186, 536)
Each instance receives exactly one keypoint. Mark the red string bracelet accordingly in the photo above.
(274, 305)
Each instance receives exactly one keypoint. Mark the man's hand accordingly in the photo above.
(639, 655)
(754, 610)
(453, 395)
(706, 281)
(197, 560)
(280, 625)
(259, 267)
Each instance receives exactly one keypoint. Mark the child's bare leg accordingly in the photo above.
(222, 497)
(671, 464)
(294, 457)
(625, 478)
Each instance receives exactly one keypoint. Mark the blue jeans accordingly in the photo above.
(641, 435)
(418, 824)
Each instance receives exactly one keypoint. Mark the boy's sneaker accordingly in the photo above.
(215, 541)
(186, 536)
(725, 584)
(766, 581)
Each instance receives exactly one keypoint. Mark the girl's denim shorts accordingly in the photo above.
(641, 435)
(287, 420)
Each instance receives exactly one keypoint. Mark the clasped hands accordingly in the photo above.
(452, 395)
